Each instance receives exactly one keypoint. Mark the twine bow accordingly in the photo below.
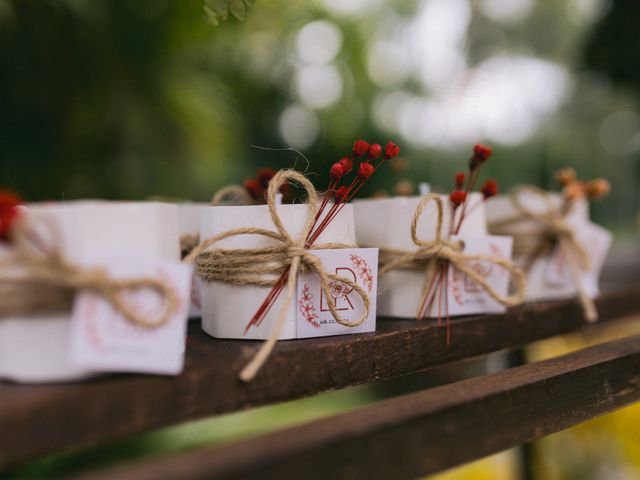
(35, 278)
(556, 230)
(442, 249)
(255, 266)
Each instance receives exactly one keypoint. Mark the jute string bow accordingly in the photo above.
(235, 194)
(256, 266)
(555, 231)
(36, 279)
(429, 253)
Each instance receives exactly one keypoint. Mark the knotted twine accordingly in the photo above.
(429, 253)
(235, 193)
(257, 266)
(555, 231)
(37, 279)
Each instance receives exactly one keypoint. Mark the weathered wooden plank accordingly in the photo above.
(37, 420)
(428, 431)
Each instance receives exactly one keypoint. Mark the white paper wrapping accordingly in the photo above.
(226, 308)
(386, 223)
(36, 349)
(538, 285)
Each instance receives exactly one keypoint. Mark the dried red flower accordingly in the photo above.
(265, 175)
(9, 212)
(252, 186)
(336, 172)
(457, 197)
(374, 151)
(459, 178)
(391, 150)
(341, 193)
(360, 148)
(347, 164)
(365, 170)
(481, 154)
(489, 189)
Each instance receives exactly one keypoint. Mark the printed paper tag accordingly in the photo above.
(596, 240)
(313, 317)
(103, 340)
(465, 296)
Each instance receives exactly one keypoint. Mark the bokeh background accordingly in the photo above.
(126, 99)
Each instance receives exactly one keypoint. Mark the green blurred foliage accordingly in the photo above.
(126, 99)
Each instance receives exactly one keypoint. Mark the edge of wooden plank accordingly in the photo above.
(428, 431)
(37, 420)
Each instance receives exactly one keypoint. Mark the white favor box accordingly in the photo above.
(227, 308)
(386, 223)
(189, 215)
(539, 286)
(36, 348)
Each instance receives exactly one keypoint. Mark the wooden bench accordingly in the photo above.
(403, 437)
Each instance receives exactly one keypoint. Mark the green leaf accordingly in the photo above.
(212, 16)
(238, 9)
(220, 6)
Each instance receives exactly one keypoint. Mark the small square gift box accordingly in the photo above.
(414, 229)
(89, 287)
(436, 257)
(189, 214)
(555, 242)
(282, 271)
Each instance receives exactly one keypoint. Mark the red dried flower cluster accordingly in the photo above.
(481, 154)
(489, 189)
(340, 194)
(257, 187)
(9, 212)
(458, 199)
(464, 184)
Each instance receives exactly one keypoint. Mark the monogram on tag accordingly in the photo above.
(313, 317)
(103, 340)
(464, 295)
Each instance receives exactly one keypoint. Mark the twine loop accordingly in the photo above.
(260, 266)
(553, 220)
(556, 231)
(451, 251)
(36, 279)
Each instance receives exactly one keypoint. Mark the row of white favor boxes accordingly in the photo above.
(127, 237)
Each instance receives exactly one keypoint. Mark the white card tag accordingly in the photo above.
(465, 296)
(596, 240)
(313, 318)
(103, 340)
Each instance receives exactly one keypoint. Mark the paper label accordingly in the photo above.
(464, 296)
(103, 340)
(596, 240)
(313, 318)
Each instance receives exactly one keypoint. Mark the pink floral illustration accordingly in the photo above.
(363, 270)
(338, 290)
(306, 306)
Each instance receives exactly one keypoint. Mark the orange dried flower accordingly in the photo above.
(565, 176)
(404, 188)
(574, 191)
(598, 188)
